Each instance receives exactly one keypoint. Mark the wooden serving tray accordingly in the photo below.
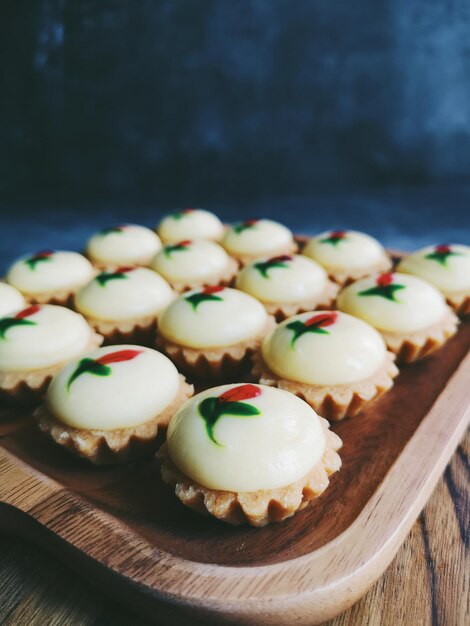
(123, 529)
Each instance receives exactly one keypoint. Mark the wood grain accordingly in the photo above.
(36, 589)
(309, 568)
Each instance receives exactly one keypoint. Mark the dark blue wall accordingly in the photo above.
(177, 101)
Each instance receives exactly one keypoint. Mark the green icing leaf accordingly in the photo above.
(89, 366)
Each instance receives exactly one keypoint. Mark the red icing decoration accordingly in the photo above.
(118, 357)
(322, 319)
(237, 394)
(385, 279)
(210, 290)
(31, 310)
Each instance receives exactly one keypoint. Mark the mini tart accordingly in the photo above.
(447, 267)
(333, 361)
(123, 304)
(212, 332)
(192, 264)
(190, 224)
(411, 314)
(253, 239)
(128, 244)
(109, 406)
(248, 454)
(11, 300)
(50, 277)
(287, 285)
(347, 254)
(35, 343)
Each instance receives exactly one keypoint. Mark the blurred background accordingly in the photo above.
(320, 114)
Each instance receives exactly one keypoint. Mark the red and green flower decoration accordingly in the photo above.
(315, 324)
(384, 287)
(246, 225)
(20, 319)
(263, 267)
(441, 253)
(231, 402)
(112, 230)
(181, 246)
(335, 237)
(119, 273)
(208, 294)
(101, 366)
(40, 257)
(180, 214)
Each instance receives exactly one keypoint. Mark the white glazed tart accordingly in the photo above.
(347, 254)
(35, 342)
(253, 239)
(212, 332)
(10, 299)
(50, 276)
(124, 303)
(445, 266)
(410, 313)
(109, 405)
(190, 264)
(248, 454)
(190, 224)
(287, 284)
(334, 361)
(126, 244)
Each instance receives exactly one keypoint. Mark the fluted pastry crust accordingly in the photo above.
(214, 363)
(256, 508)
(225, 279)
(410, 347)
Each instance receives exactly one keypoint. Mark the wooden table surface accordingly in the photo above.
(428, 583)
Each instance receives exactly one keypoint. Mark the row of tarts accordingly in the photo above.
(315, 326)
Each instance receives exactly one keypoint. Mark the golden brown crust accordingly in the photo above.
(29, 387)
(460, 302)
(324, 301)
(257, 508)
(334, 402)
(245, 259)
(410, 347)
(141, 331)
(225, 279)
(214, 363)
(109, 447)
(347, 276)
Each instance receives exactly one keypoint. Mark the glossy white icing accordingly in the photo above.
(10, 299)
(415, 305)
(124, 294)
(257, 238)
(136, 384)
(222, 317)
(284, 279)
(128, 244)
(343, 250)
(199, 262)
(268, 450)
(190, 224)
(445, 267)
(50, 271)
(324, 348)
(41, 336)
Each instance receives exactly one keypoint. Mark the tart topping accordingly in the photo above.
(441, 253)
(213, 317)
(42, 336)
(258, 237)
(118, 274)
(263, 267)
(245, 437)
(114, 387)
(327, 348)
(194, 224)
(10, 299)
(129, 244)
(393, 302)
